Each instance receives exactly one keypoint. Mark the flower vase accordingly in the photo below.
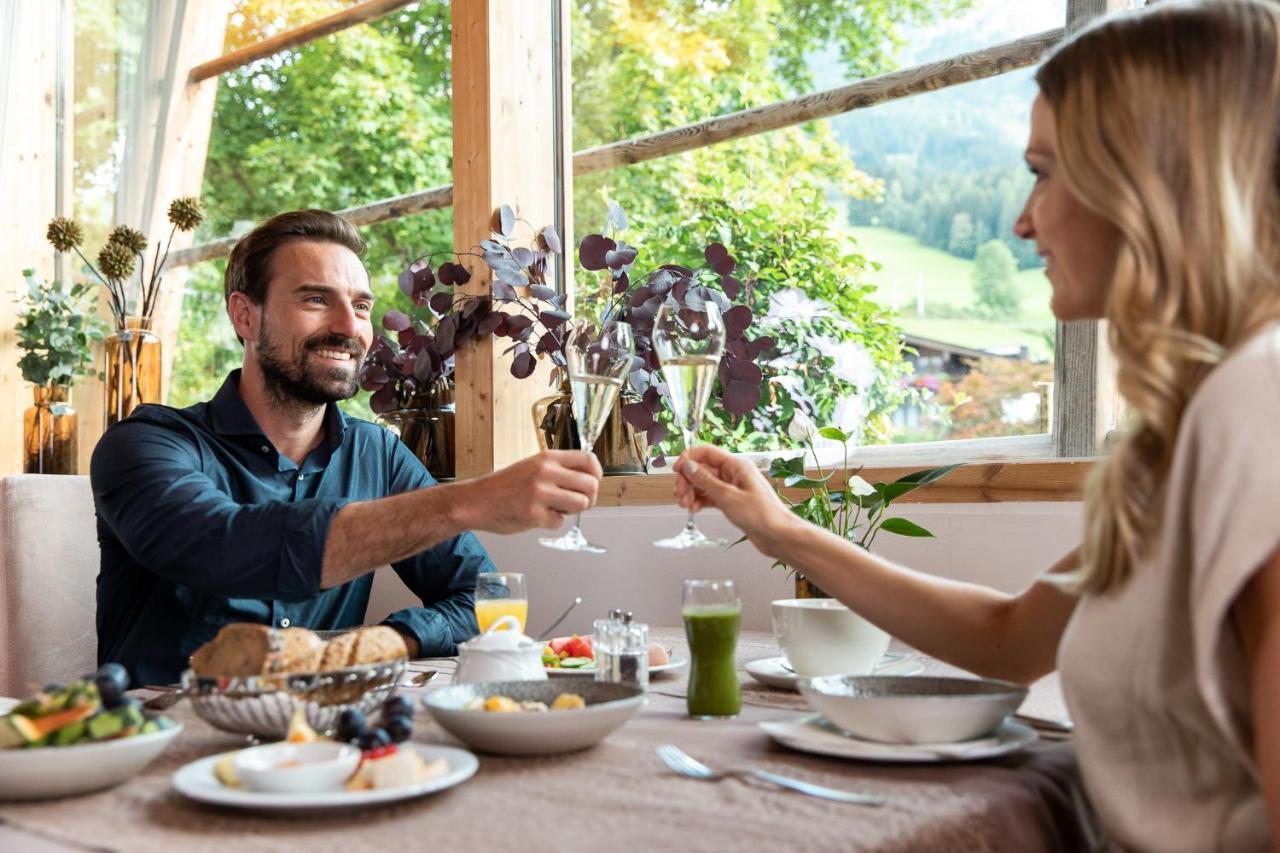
(620, 449)
(806, 588)
(50, 432)
(133, 369)
(426, 427)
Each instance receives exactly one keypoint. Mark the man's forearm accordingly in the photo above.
(368, 534)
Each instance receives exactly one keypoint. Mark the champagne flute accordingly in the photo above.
(599, 359)
(689, 342)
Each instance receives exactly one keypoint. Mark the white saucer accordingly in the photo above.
(196, 781)
(774, 672)
(812, 733)
(670, 666)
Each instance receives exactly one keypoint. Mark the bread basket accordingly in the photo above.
(263, 705)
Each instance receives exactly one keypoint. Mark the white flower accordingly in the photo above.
(861, 486)
(793, 304)
(801, 428)
(852, 362)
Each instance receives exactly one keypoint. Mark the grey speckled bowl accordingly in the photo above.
(533, 732)
(913, 709)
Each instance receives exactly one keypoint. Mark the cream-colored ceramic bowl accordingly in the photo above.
(821, 636)
(913, 709)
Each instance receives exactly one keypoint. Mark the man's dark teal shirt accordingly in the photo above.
(202, 522)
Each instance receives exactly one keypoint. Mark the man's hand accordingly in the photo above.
(535, 492)
(710, 477)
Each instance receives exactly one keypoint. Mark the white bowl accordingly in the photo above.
(913, 709)
(61, 771)
(821, 636)
(609, 705)
(296, 768)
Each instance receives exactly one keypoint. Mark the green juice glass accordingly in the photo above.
(712, 616)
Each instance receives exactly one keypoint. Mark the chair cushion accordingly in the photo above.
(49, 563)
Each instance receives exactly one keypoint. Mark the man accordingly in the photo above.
(267, 504)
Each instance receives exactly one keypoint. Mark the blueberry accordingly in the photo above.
(397, 706)
(399, 727)
(116, 674)
(372, 739)
(109, 690)
(351, 725)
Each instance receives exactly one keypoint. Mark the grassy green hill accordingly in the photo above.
(909, 268)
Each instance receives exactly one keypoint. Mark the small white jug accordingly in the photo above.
(500, 656)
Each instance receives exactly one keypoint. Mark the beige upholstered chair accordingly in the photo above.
(48, 572)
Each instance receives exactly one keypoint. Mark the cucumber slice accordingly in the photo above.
(577, 663)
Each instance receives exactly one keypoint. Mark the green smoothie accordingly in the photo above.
(712, 631)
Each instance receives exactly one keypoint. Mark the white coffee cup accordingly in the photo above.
(821, 636)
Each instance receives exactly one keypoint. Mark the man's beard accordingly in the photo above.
(298, 383)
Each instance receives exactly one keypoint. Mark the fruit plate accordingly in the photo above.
(670, 666)
(61, 771)
(197, 781)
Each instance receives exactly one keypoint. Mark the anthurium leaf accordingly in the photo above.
(833, 433)
(902, 527)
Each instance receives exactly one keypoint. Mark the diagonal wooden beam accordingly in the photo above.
(336, 22)
(931, 76)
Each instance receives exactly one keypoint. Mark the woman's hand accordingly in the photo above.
(710, 477)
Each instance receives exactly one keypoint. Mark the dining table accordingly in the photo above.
(617, 795)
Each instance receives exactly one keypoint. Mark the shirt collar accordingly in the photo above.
(228, 415)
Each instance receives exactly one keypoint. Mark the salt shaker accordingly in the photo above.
(622, 649)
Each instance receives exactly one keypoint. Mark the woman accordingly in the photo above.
(1156, 206)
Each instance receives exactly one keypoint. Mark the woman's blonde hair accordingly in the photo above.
(1167, 125)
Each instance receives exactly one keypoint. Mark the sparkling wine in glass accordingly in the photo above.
(598, 359)
(689, 342)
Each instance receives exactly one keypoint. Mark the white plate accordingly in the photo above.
(60, 771)
(814, 734)
(774, 672)
(197, 782)
(8, 703)
(673, 664)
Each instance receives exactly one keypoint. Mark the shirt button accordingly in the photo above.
(302, 476)
(284, 623)
(266, 449)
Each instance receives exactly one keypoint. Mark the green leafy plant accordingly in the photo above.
(851, 508)
(56, 329)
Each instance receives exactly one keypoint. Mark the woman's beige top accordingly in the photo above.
(1155, 676)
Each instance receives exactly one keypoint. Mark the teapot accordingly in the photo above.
(498, 655)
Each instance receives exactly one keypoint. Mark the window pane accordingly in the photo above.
(803, 210)
(351, 118)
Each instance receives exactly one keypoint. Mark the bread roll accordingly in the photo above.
(338, 652)
(244, 649)
(377, 644)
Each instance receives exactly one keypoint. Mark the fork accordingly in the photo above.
(686, 765)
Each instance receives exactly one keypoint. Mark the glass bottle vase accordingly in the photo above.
(50, 440)
(133, 369)
(620, 448)
(427, 429)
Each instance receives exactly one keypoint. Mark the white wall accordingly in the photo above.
(1001, 545)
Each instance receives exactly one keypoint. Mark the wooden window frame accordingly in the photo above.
(1043, 468)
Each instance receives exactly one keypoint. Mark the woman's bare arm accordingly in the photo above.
(971, 626)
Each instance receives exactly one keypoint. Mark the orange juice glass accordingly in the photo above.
(500, 594)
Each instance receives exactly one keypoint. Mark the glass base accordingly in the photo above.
(713, 717)
(573, 540)
(690, 537)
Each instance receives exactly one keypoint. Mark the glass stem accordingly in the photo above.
(689, 526)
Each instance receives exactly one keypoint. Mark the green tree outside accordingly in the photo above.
(994, 269)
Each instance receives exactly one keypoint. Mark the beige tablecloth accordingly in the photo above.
(617, 796)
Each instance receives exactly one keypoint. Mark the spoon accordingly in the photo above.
(547, 633)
